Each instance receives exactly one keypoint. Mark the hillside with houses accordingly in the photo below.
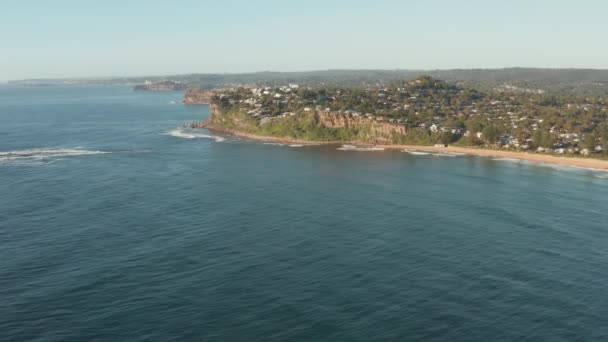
(421, 111)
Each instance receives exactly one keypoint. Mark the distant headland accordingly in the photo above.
(160, 86)
(561, 81)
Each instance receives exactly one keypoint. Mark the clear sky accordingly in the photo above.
(79, 38)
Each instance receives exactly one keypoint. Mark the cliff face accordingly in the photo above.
(356, 128)
(380, 128)
(197, 96)
(215, 113)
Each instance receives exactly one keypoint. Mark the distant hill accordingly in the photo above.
(575, 81)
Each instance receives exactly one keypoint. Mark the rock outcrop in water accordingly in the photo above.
(215, 118)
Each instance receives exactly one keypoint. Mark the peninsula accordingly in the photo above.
(421, 113)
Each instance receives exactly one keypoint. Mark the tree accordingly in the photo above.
(473, 126)
(447, 138)
(491, 134)
(590, 142)
(459, 124)
(545, 139)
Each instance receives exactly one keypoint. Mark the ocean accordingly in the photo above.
(117, 225)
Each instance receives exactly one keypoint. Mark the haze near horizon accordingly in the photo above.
(77, 39)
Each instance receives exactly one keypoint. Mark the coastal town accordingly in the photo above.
(423, 111)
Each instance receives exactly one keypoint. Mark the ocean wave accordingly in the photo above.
(601, 173)
(416, 153)
(45, 153)
(445, 154)
(180, 133)
(359, 149)
(281, 144)
(512, 160)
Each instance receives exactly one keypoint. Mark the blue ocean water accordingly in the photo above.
(117, 225)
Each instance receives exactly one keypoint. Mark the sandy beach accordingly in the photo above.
(590, 163)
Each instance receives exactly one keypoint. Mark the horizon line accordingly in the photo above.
(293, 71)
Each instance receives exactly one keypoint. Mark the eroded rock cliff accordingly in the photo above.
(343, 120)
(198, 96)
(321, 126)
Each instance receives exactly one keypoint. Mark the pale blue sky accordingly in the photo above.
(79, 38)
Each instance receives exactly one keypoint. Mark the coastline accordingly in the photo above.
(587, 163)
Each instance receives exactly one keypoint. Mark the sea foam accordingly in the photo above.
(359, 149)
(601, 173)
(180, 133)
(512, 160)
(45, 153)
(416, 153)
(281, 144)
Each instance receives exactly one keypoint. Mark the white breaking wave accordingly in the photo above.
(601, 173)
(507, 159)
(45, 153)
(180, 133)
(280, 144)
(580, 168)
(444, 155)
(359, 149)
(416, 153)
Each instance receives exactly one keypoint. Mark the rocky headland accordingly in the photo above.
(377, 134)
(198, 96)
